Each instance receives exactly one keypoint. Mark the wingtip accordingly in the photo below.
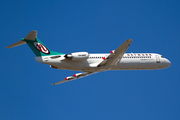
(129, 40)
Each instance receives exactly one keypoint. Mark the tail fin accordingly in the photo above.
(31, 36)
(35, 44)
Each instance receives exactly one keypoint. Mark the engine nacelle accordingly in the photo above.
(77, 74)
(77, 56)
(69, 78)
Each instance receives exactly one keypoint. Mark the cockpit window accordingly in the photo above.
(162, 57)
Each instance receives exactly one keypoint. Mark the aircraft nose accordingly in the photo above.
(167, 63)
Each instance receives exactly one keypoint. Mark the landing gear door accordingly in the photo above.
(157, 59)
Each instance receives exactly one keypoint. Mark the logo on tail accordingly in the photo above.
(41, 48)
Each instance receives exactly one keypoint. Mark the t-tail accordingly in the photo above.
(35, 44)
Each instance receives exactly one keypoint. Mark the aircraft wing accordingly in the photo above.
(75, 76)
(116, 56)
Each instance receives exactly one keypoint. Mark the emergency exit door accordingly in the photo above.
(157, 59)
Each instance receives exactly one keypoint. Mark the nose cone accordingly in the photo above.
(167, 63)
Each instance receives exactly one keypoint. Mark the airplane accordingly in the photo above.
(93, 63)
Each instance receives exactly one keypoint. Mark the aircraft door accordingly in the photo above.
(157, 59)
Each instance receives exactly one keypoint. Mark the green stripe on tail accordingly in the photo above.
(39, 48)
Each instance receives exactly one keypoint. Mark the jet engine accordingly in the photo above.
(77, 56)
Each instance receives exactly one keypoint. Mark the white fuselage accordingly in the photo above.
(129, 61)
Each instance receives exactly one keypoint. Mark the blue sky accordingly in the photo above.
(96, 27)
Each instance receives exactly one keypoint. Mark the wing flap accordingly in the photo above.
(116, 56)
(75, 76)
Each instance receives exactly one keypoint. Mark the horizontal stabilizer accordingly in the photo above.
(16, 44)
(31, 36)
